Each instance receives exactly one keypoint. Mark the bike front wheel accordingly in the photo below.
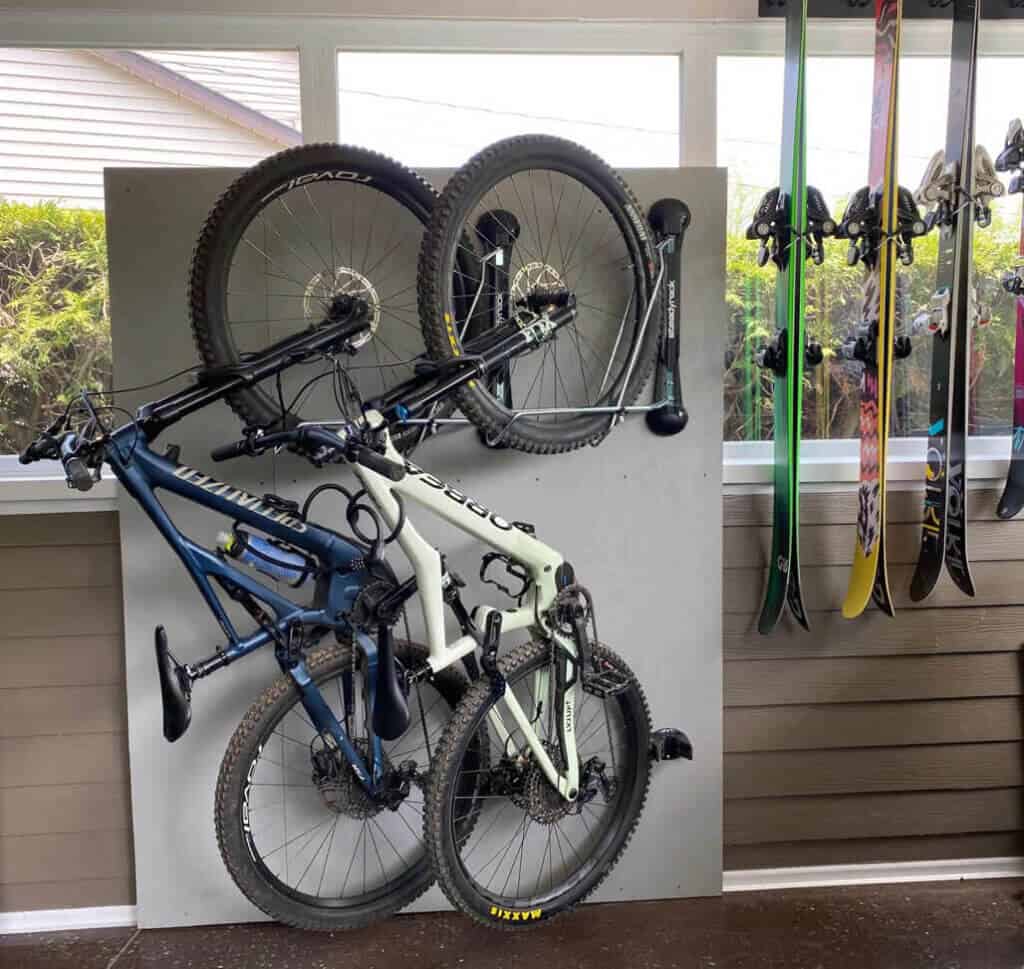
(298, 833)
(546, 220)
(529, 855)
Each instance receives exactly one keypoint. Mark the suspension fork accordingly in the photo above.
(327, 724)
(566, 676)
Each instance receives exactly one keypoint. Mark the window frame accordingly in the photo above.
(698, 44)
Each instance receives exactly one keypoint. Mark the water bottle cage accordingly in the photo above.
(512, 568)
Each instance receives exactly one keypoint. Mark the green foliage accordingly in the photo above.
(834, 294)
(54, 313)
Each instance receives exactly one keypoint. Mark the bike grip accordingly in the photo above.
(228, 451)
(78, 474)
(669, 217)
(377, 462)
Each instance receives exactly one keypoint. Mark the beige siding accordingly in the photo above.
(266, 81)
(875, 739)
(65, 115)
(65, 825)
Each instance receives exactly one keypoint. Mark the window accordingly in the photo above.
(436, 110)
(64, 116)
(838, 111)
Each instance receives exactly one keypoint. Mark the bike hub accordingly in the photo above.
(323, 289)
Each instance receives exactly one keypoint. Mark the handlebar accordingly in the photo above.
(344, 444)
(76, 471)
(66, 449)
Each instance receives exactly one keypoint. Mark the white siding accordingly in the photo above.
(266, 81)
(65, 116)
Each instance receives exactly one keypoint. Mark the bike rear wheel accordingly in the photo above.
(547, 219)
(529, 855)
(298, 834)
(286, 238)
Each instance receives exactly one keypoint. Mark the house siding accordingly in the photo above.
(65, 814)
(65, 115)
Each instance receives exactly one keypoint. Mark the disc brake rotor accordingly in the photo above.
(323, 287)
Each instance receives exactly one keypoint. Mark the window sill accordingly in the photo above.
(37, 490)
(30, 491)
(838, 462)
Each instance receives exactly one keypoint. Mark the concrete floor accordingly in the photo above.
(951, 925)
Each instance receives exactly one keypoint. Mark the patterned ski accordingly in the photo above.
(871, 224)
(1011, 159)
(948, 186)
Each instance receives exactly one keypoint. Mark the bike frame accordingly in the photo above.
(142, 471)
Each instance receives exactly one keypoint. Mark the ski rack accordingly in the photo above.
(912, 9)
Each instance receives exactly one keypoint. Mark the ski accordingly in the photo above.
(947, 192)
(1011, 159)
(790, 224)
(880, 222)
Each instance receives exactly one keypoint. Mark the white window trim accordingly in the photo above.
(318, 39)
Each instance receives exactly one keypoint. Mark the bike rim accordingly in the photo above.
(527, 849)
(313, 853)
(569, 236)
(303, 246)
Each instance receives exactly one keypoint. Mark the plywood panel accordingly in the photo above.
(62, 710)
(67, 612)
(786, 681)
(62, 661)
(789, 854)
(85, 893)
(824, 588)
(65, 857)
(763, 820)
(59, 567)
(846, 725)
(64, 809)
(834, 544)
(840, 507)
(961, 630)
(88, 759)
(797, 773)
(85, 528)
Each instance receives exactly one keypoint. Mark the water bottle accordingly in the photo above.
(264, 556)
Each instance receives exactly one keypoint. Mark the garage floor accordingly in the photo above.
(952, 925)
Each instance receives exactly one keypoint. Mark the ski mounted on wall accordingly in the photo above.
(790, 224)
(949, 192)
(880, 221)
(1011, 159)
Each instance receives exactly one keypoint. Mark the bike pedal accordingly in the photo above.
(670, 743)
(605, 682)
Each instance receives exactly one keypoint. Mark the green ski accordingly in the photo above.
(790, 224)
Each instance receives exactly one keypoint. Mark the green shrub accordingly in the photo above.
(54, 313)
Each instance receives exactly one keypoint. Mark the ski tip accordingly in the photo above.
(1007, 509)
(921, 585)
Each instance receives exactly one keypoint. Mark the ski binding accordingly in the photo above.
(770, 227)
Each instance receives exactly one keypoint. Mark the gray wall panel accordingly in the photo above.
(640, 518)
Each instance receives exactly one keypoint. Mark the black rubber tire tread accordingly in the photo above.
(462, 192)
(280, 695)
(467, 720)
(234, 211)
